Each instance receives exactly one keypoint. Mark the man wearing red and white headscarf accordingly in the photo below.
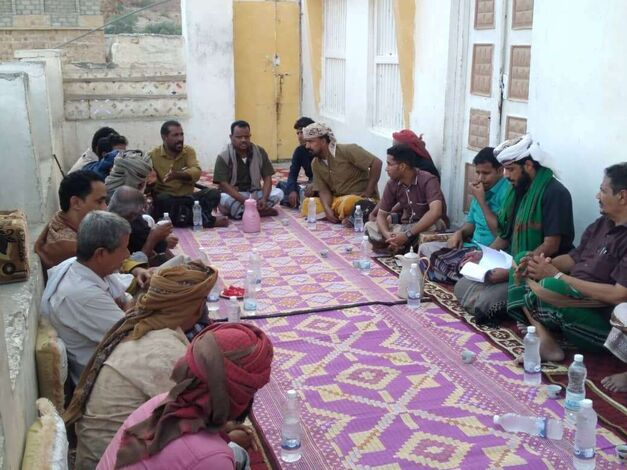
(216, 381)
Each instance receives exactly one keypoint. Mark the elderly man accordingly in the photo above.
(343, 173)
(134, 361)
(243, 170)
(82, 299)
(155, 242)
(481, 222)
(574, 294)
(177, 171)
(301, 158)
(417, 194)
(536, 216)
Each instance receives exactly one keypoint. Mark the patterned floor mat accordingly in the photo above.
(384, 387)
(610, 406)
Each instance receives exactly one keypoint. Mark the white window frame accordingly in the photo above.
(334, 106)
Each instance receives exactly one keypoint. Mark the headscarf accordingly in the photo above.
(516, 149)
(175, 297)
(130, 168)
(320, 129)
(216, 380)
(408, 137)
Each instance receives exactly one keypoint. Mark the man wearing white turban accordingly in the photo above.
(536, 216)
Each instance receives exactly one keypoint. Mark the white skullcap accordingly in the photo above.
(516, 149)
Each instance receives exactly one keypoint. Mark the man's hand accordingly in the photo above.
(477, 190)
(520, 270)
(262, 204)
(497, 276)
(456, 241)
(331, 217)
(142, 275)
(241, 434)
(471, 257)
(540, 266)
(396, 241)
(161, 231)
(292, 198)
(309, 190)
(172, 241)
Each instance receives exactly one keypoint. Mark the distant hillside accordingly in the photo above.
(162, 19)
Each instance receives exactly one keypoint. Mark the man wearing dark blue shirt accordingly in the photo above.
(301, 158)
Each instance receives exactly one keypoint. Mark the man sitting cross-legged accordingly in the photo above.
(177, 171)
(243, 170)
(343, 173)
(574, 294)
(536, 216)
(419, 197)
(301, 158)
(481, 222)
(82, 298)
(134, 360)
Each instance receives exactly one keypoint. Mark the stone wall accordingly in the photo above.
(45, 24)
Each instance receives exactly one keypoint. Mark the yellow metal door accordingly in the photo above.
(267, 72)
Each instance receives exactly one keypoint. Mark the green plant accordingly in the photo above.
(123, 26)
(163, 27)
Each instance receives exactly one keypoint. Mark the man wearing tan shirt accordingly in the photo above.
(177, 171)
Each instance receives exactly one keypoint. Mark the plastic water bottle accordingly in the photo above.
(533, 425)
(250, 292)
(413, 288)
(311, 213)
(532, 364)
(584, 456)
(197, 212)
(233, 312)
(254, 263)
(213, 299)
(290, 430)
(165, 219)
(358, 219)
(365, 262)
(576, 390)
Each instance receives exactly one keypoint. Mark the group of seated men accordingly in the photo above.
(127, 309)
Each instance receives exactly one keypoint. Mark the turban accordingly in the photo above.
(176, 297)
(516, 149)
(409, 138)
(130, 168)
(216, 380)
(320, 129)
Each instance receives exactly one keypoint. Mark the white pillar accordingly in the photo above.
(208, 34)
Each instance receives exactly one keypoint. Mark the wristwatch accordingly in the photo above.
(558, 275)
(408, 234)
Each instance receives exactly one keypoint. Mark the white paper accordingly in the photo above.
(491, 259)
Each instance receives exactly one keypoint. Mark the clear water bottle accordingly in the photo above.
(213, 299)
(532, 364)
(358, 219)
(365, 263)
(250, 292)
(254, 263)
(584, 455)
(290, 430)
(233, 311)
(576, 390)
(165, 219)
(533, 425)
(311, 213)
(197, 212)
(301, 194)
(413, 287)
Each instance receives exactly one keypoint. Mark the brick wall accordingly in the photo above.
(42, 24)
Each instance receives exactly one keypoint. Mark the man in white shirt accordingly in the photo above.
(82, 299)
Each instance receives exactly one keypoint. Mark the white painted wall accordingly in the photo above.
(578, 99)
(208, 33)
(145, 50)
(430, 80)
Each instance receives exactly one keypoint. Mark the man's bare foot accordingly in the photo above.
(268, 212)
(616, 382)
(221, 221)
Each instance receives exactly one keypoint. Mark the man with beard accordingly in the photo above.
(343, 173)
(177, 171)
(536, 216)
(574, 294)
(243, 170)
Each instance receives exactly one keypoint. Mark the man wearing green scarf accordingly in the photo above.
(536, 217)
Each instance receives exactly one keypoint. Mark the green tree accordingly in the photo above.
(123, 26)
(163, 27)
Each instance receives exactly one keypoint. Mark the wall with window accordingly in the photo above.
(351, 49)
